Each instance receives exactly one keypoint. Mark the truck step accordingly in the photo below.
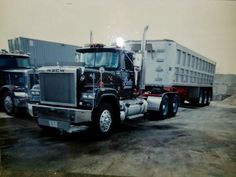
(74, 128)
(135, 116)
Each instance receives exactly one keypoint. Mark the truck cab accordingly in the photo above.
(16, 77)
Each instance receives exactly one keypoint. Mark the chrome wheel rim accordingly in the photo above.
(8, 104)
(105, 121)
(174, 105)
(205, 100)
(165, 108)
(200, 99)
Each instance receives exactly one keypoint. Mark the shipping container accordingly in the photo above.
(44, 52)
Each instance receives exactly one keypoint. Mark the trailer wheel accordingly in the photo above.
(208, 99)
(174, 105)
(164, 107)
(201, 99)
(8, 103)
(103, 121)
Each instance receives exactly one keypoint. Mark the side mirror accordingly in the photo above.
(138, 62)
(137, 68)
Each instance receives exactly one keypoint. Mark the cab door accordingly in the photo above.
(126, 75)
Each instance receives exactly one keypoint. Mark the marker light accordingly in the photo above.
(120, 42)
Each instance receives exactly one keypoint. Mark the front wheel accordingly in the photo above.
(8, 103)
(103, 121)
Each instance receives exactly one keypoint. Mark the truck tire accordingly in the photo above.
(201, 99)
(8, 103)
(164, 107)
(103, 121)
(208, 99)
(205, 99)
(174, 105)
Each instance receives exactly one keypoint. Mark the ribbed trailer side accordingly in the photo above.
(178, 68)
(169, 63)
(193, 69)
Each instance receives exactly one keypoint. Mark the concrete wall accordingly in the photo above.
(224, 86)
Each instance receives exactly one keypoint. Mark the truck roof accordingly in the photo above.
(101, 48)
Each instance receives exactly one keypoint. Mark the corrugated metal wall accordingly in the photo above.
(44, 52)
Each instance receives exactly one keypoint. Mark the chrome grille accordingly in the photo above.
(58, 88)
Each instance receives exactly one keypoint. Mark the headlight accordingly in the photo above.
(82, 78)
(21, 94)
(88, 95)
(34, 92)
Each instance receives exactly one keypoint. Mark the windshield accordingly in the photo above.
(17, 79)
(98, 59)
(14, 62)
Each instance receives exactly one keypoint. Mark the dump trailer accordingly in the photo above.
(177, 68)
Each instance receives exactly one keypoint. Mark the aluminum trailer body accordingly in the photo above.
(175, 67)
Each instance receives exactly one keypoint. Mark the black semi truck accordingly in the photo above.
(106, 89)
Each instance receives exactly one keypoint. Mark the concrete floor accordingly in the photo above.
(197, 142)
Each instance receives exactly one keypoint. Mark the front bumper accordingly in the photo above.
(20, 99)
(64, 119)
(70, 115)
(32, 109)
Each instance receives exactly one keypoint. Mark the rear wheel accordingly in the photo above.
(164, 107)
(103, 121)
(208, 99)
(174, 105)
(201, 99)
(8, 103)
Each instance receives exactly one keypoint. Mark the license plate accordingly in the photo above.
(53, 123)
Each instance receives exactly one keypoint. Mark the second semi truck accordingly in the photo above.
(16, 79)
